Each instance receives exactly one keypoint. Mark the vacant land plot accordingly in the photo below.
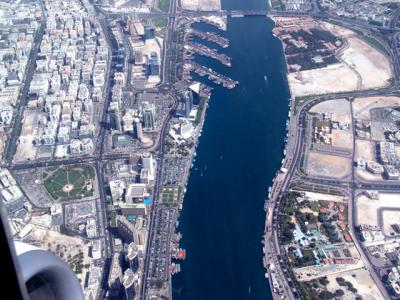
(362, 67)
(365, 151)
(69, 182)
(362, 106)
(328, 165)
(25, 148)
(207, 5)
(372, 65)
(361, 281)
(368, 210)
(331, 79)
(340, 108)
(389, 218)
(342, 139)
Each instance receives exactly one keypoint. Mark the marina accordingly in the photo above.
(214, 76)
(211, 37)
(209, 52)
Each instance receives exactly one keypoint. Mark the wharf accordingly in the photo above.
(214, 76)
(209, 52)
(211, 37)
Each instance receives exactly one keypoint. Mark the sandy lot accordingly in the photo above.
(25, 148)
(367, 209)
(322, 81)
(362, 281)
(338, 107)
(362, 106)
(326, 197)
(342, 139)
(371, 64)
(327, 165)
(338, 30)
(365, 150)
(360, 59)
(389, 218)
(207, 5)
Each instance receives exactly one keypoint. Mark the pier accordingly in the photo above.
(209, 52)
(214, 76)
(211, 37)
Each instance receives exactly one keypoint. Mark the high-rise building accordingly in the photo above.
(154, 65)
(139, 129)
(149, 32)
(188, 103)
(147, 174)
(149, 115)
(128, 282)
(132, 252)
(115, 116)
(115, 276)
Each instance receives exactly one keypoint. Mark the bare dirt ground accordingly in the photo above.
(367, 209)
(361, 280)
(372, 65)
(25, 148)
(333, 78)
(327, 165)
(365, 150)
(389, 218)
(207, 5)
(338, 107)
(360, 61)
(362, 106)
(342, 139)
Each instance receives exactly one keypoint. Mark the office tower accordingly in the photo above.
(115, 116)
(149, 114)
(188, 103)
(128, 282)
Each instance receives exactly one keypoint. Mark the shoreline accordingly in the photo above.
(278, 281)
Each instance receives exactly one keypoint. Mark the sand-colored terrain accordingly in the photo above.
(25, 149)
(327, 165)
(338, 107)
(361, 280)
(362, 106)
(365, 150)
(206, 5)
(361, 67)
(333, 78)
(390, 217)
(369, 63)
(368, 210)
(312, 196)
(342, 139)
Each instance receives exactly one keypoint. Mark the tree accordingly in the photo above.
(339, 293)
(324, 281)
(325, 295)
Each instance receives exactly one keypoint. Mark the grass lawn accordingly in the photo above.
(163, 5)
(77, 176)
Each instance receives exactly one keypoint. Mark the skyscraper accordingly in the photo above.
(149, 115)
(128, 282)
(188, 103)
(115, 116)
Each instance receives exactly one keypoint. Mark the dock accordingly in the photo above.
(214, 76)
(209, 52)
(211, 37)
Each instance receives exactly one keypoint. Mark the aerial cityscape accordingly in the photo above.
(205, 149)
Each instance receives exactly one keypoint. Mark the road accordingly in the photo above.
(294, 150)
